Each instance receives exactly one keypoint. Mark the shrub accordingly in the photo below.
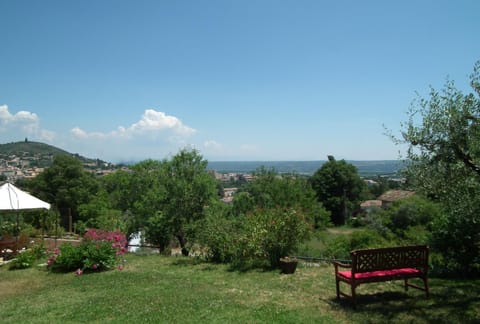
(269, 235)
(412, 211)
(341, 246)
(100, 250)
(219, 236)
(66, 258)
(23, 260)
(27, 258)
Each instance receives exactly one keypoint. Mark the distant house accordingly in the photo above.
(391, 196)
(369, 204)
(385, 200)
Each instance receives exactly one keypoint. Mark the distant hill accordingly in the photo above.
(44, 152)
(18, 148)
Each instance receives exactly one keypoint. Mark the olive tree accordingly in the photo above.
(443, 137)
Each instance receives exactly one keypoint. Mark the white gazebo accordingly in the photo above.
(13, 199)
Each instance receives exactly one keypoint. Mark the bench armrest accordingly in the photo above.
(338, 264)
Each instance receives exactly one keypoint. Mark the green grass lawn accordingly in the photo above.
(159, 289)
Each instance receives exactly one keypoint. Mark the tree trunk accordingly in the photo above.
(183, 242)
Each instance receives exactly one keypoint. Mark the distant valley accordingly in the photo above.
(365, 168)
(40, 154)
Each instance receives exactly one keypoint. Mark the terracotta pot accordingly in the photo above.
(289, 266)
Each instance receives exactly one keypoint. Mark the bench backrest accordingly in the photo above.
(367, 260)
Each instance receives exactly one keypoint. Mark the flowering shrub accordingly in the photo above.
(100, 250)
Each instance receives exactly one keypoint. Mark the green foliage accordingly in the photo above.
(23, 260)
(99, 213)
(270, 190)
(99, 250)
(158, 231)
(98, 255)
(66, 258)
(65, 184)
(269, 234)
(341, 246)
(458, 238)
(339, 187)
(406, 221)
(269, 219)
(443, 134)
(412, 212)
(189, 189)
(218, 234)
(8, 224)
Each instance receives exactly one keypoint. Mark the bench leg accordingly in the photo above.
(354, 297)
(338, 288)
(406, 284)
(425, 283)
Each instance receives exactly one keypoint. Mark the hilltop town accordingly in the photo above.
(25, 160)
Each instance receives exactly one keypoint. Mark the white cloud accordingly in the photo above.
(152, 123)
(22, 124)
(212, 145)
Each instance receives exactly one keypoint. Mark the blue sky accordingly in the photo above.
(237, 80)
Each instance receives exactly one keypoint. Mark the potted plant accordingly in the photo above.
(288, 265)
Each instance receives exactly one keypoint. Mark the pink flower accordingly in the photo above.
(79, 272)
(94, 266)
(120, 267)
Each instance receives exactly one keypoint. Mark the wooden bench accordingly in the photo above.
(384, 264)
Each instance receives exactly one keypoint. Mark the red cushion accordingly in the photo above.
(381, 273)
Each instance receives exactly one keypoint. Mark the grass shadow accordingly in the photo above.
(186, 261)
(449, 302)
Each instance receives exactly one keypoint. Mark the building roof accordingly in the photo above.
(371, 203)
(394, 195)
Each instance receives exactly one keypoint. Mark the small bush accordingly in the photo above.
(66, 258)
(23, 260)
(341, 246)
(269, 235)
(219, 235)
(100, 250)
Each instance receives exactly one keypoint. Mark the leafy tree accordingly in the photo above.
(99, 213)
(158, 231)
(121, 192)
(443, 134)
(65, 184)
(189, 188)
(147, 192)
(269, 190)
(339, 187)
